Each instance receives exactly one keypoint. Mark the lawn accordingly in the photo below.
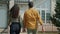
(38, 33)
(48, 33)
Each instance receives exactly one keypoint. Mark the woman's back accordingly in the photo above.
(15, 26)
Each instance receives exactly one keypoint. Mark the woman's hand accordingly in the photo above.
(24, 30)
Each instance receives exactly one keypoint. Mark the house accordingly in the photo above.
(45, 8)
(3, 13)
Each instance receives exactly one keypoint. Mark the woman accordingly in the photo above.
(15, 26)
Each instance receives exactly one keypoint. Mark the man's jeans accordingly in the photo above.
(33, 31)
(15, 28)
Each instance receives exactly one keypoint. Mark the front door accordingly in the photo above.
(45, 15)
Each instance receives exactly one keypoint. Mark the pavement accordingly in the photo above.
(8, 33)
(47, 27)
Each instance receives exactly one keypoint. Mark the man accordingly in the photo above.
(31, 17)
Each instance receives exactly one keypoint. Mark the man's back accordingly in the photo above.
(30, 18)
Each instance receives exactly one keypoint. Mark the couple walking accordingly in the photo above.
(30, 20)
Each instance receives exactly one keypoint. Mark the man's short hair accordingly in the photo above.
(30, 4)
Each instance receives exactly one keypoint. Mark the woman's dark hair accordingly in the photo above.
(14, 11)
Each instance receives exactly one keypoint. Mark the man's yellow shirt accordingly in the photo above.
(31, 16)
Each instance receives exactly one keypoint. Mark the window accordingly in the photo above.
(43, 14)
(45, 8)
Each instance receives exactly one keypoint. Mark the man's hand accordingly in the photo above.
(42, 29)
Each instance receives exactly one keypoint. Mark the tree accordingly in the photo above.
(56, 17)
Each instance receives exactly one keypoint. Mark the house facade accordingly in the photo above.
(3, 13)
(45, 8)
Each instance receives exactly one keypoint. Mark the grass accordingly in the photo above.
(47, 33)
(40, 33)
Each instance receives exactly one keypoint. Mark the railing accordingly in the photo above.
(4, 1)
(21, 1)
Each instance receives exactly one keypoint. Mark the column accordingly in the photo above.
(11, 4)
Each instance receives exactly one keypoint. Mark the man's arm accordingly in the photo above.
(39, 19)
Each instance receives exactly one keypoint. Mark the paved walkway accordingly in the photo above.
(47, 27)
(7, 33)
(23, 33)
